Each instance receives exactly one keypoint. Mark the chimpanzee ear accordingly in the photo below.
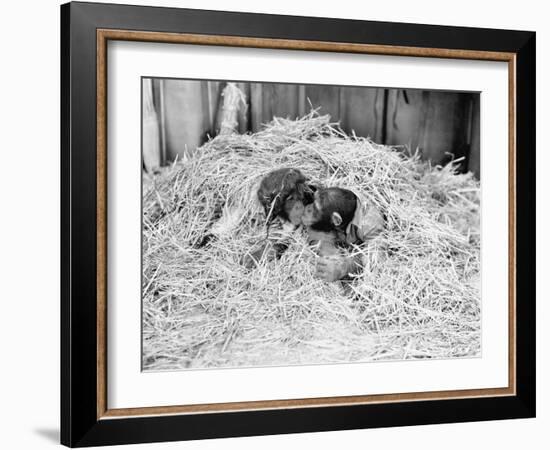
(336, 219)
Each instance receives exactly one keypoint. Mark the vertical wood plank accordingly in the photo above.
(256, 108)
(407, 121)
(474, 163)
(162, 122)
(185, 126)
(358, 107)
(214, 101)
(285, 100)
(303, 107)
(150, 128)
(267, 105)
(326, 98)
(462, 121)
(243, 115)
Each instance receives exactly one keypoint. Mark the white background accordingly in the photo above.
(29, 333)
(128, 387)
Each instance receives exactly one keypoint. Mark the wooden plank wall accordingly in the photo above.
(438, 123)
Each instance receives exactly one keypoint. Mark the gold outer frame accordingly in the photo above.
(103, 36)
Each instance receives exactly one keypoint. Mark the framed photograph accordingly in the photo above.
(276, 224)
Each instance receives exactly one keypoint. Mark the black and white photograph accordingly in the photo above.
(296, 224)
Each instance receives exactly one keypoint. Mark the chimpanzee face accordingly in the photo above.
(332, 209)
(313, 212)
(294, 209)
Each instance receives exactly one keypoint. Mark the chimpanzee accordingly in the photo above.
(283, 194)
(337, 219)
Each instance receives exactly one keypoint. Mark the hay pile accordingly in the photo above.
(418, 296)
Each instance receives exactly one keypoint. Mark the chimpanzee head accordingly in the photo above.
(332, 209)
(284, 193)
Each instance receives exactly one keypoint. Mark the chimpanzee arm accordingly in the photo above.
(340, 266)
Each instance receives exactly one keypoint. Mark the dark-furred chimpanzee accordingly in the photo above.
(337, 220)
(283, 195)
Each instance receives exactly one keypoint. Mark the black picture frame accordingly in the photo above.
(80, 425)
